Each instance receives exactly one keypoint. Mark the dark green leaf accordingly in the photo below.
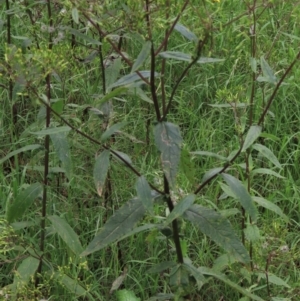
(241, 194)
(144, 193)
(111, 130)
(209, 154)
(162, 266)
(145, 52)
(187, 166)
(100, 170)
(23, 201)
(123, 156)
(58, 106)
(180, 208)
(218, 228)
(186, 32)
(71, 284)
(66, 233)
(200, 279)
(52, 131)
(62, 149)
(20, 150)
(209, 174)
(267, 153)
(168, 141)
(179, 276)
(222, 277)
(251, 136)
(117, 226)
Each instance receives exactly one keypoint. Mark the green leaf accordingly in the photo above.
(132, 77)
(111, 130)
(66, 233)
(72, 285)
(58, 106)
(20, 150)
(75, 15)
(145, 52)
(123, 156)
(241, 194)
(266, 171)
(187, 166)
(267, 153)
(186, 32)
(222, 277)
(112, 72)
(160, 267)
(111, 95)
(180, 208)
(195, 273)
(209, 154)
(274, 279)
(23, 201)
(211, 173)
(253, 64)
(218, 228)
(100, 170)
(251, 136)
(144, 193)
(52, 131)
(25, 272)
(61, 146)
(162, 297)
(252, 233)
(83, 36)
(270, 206)
(179, 276)
(168, 140)
(126, 295)
(223, 261)
(268, 73)
(117, 226)
(187, 57)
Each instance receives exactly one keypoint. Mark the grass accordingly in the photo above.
(203, 125)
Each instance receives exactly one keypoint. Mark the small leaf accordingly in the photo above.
(222, 277)
(145, 52)
(252, 233)
(186, 32)
(123, 156)
(20, 150)
(117, 226)
(23, 201)
(251, 136)
(66, 233)
(126, 295)
(71, 284)
(268, 73)
(160, 267)
(62, 149)
(267, 153)
(75, 15)
(83, 36)
(111, 130)
(112, 72)
(270, 206)
(100, 171)
(211, 173)
(168, 141)
(111, 95)
(58, 106)
(180, 208)
(253, 64)
(117, 283)
(266, 171)
(132, 77)
(25, 272)
(144, 193)
(52, 131)
(241, 194)
(209, 154)
(218, 228)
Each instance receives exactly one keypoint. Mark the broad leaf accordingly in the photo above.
(209, 154)
(124, 156)
(75, 15)
(251, 136)
(270, 206)
(52, 131)
(241, 194)
(71, 284)
(218, 228)
(162, 266)
(145, 52)
(20, 150)
(253, 64)
(223, 278)
(211, 173)
(144, 193)
(117, 226)
(179, 276)
(23, 201)
(132, 77)
(267, 153)
(268, 73)
(252, 233)
(110, 95)
(111, 130)
(66, 233)
(100, 170)
(274, 279)
(266, 171)
(168, 140)
(126, 295)
(186, 32)
(180, 208)
(62, 149)
(200, 279)
(25, 272)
